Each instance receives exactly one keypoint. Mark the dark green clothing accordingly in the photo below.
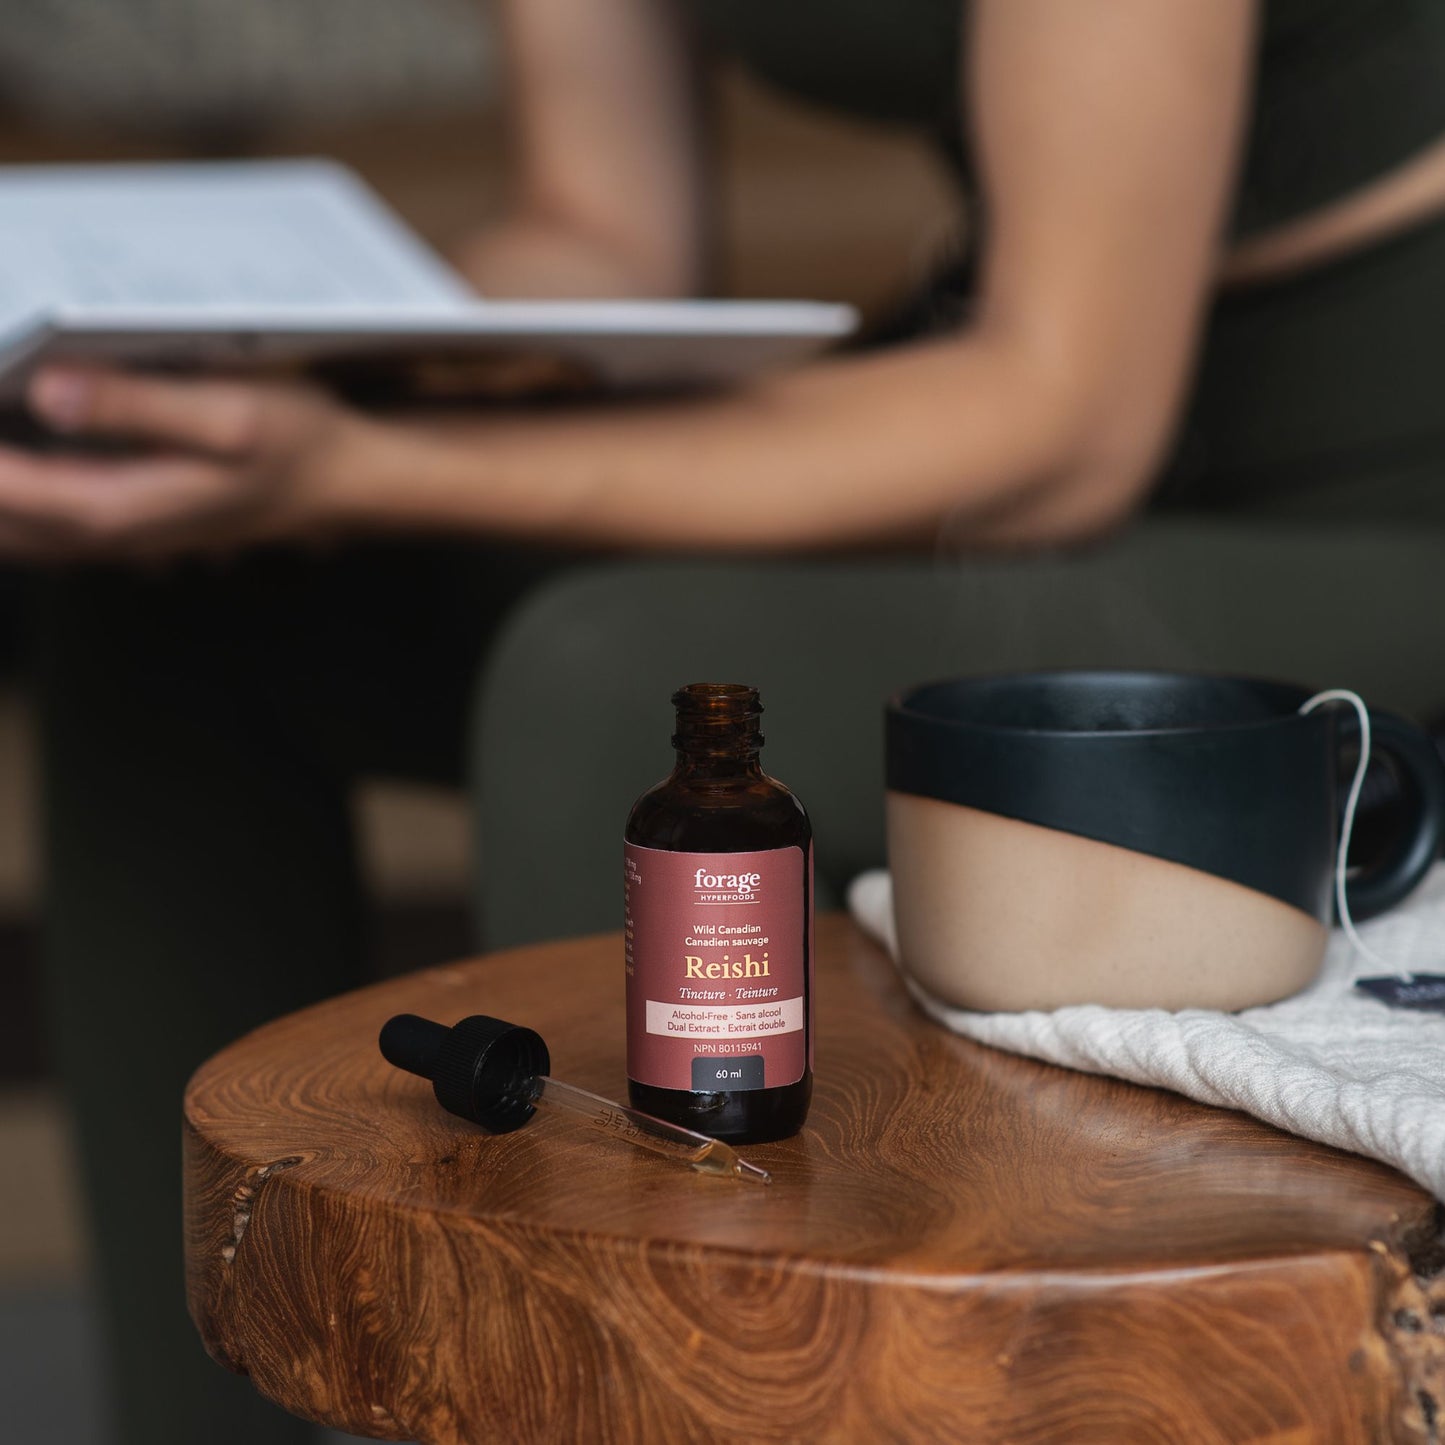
(1345, 89)
(1323, 397)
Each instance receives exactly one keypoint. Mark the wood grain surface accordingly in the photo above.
(961, 1245)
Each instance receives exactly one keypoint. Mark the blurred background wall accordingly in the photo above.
(408, 94)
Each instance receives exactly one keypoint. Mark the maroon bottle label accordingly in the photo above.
(718, 953)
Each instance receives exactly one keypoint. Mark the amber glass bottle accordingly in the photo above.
(719, 894)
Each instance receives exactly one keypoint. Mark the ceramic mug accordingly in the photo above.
(1136, 839)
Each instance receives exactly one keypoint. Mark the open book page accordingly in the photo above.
(297, 265)
(264, 233)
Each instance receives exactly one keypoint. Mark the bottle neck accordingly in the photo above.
(717, 733)
(717, 767)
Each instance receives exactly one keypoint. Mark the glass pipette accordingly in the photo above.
(621, 1121)
(495, 1074)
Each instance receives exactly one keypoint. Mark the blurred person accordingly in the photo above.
(1207, 264)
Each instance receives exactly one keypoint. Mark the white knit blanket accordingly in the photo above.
(1330, 1064)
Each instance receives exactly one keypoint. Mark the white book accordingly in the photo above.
(298, 264)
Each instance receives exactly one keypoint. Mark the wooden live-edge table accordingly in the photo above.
(961, 1246)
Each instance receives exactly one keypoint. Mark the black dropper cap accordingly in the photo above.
(481, 1069)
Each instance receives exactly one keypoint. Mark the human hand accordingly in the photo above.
(228, 463)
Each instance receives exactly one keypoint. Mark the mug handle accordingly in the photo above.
(1422, 780)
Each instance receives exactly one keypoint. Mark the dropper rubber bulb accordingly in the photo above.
(482, 1069)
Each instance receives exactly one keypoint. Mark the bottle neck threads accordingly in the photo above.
(717, 728)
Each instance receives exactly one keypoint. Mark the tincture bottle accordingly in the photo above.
(719, 932)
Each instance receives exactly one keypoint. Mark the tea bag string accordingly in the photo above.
(1342, 903)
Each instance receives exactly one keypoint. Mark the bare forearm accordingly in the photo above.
(872, 451)
(530, 254)
(608, 195)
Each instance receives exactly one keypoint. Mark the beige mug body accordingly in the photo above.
(997, 914)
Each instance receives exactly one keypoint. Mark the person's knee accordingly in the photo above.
(574, 719)
(571, 724)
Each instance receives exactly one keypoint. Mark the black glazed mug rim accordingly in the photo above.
(904, 704)
(1251, 800)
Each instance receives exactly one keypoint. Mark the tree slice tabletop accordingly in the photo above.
(961, 1245)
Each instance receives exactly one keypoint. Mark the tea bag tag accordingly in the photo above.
(1424, 992)
(1398, 989)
